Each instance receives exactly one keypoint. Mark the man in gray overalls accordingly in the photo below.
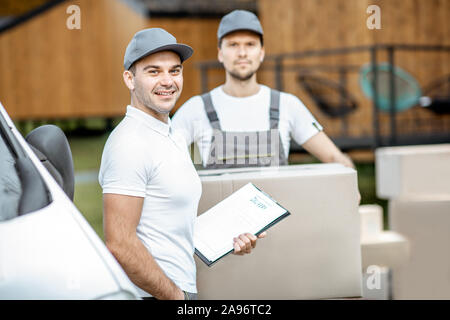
(243, 123)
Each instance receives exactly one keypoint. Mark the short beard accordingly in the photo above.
(239, 77)
(144, 98)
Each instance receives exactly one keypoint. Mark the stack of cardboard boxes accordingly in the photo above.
(380, 252)
(416, 181)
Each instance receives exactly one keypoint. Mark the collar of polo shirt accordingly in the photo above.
(153, 123)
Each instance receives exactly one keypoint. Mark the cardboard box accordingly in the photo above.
(389, 249)
(380, 251)
(425, 221)
(314, 253)
(379, 247)
(371, 216)
(412, 170)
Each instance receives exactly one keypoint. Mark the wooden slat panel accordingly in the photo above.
(291, 26)
(49, 71)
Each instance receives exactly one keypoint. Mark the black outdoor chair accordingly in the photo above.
(436, 96)
(331, 97)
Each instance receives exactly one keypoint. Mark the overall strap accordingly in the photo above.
(210, 111)
(274, 108)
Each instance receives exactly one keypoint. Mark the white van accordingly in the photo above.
(47, 248)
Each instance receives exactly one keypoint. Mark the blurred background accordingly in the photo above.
(368, 87)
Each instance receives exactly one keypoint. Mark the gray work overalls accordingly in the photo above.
(245, 149)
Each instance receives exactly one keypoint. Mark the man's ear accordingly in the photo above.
(262, 54)
(219, 55)
(128, 78)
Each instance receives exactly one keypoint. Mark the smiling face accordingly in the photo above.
(241, 53)
(157, 83)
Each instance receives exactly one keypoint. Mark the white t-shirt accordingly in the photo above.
(244, 115)
(144, 157)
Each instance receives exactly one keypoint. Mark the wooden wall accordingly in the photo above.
(293, 25)
(49, 71)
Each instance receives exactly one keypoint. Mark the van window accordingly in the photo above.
(10, 187)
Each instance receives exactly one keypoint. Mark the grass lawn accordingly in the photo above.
(88, 199)
(87, 153)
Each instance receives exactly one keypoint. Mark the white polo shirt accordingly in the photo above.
(244, 114)
(143, 157)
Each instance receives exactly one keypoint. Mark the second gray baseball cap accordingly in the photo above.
(239, 20)
(148, 41)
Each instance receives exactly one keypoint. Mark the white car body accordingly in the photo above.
(53, 253)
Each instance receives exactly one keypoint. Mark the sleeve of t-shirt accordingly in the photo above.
(186, 117)
(123, 170)
(303, 125)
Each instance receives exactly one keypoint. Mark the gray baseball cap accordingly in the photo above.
(239, 20)
(148, 41)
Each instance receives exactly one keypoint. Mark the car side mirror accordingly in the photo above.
(50, 145)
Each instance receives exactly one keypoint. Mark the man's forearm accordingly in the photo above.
(321, 147)
(143, 270)
(343, 159)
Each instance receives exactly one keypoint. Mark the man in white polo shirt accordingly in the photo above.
(150, 187)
